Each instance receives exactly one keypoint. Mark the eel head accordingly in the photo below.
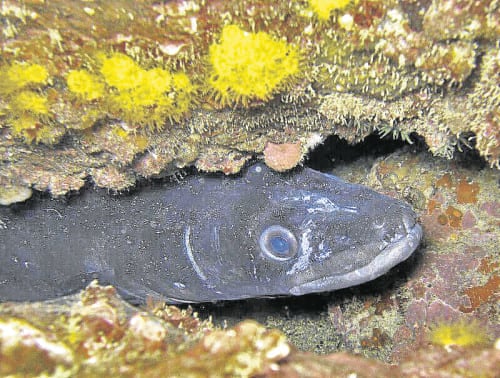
(307, 231)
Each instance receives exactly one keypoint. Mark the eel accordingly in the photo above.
(207, 238)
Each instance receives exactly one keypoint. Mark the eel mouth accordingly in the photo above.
(390, 256)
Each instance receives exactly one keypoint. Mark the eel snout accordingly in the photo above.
(398, 235)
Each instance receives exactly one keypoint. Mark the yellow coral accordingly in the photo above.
(248, 66)
(144, 97)
(323, 8)
(149, 89)
(29, 102)
(84, 84)
(18, 75)
(27, 109)
(120, 71)
(185, 91)
(25, 126)
(31, 129)
(460, 333)
(22, 123)
(29, 113)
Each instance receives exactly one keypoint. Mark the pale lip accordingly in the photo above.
(392, 255)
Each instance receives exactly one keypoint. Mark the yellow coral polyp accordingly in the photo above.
(85, 85)
(148, 101)
(19, 75)
(323, 8)
(31, 129)
(144, 97)
(150, 88)
(22, 124)
(26, 109)
(248, 66)
(121, 71)
(460, 333)
(184, 91)
(30, 102)
(29, 117)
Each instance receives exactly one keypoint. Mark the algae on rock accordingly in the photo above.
(144, 96)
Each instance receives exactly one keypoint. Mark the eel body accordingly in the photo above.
(207, 238)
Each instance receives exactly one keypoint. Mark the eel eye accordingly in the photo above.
(278, 243)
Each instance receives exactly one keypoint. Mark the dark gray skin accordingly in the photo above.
(207, 238)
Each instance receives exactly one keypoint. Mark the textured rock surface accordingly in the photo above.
(95, 333)
(154, 90)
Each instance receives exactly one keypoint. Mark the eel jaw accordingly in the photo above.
(392, 255)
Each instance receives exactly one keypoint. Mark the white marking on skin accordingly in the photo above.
(327, 206)
(306, 250)
(324, 206)
(254, 271)
(324, 252)
(54, 210)
(320, 204)
(189, 252)
(350, 209)
(216, 239)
